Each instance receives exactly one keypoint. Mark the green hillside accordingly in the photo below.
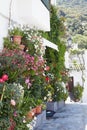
(75, 14)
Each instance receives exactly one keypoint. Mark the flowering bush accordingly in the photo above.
(65, 76)
(48, 93)
(27, 72)
(20, 65)
(11, 96)
(33, 40)
(16, 101)
(60, 92)
(16, 31)
(77, 92)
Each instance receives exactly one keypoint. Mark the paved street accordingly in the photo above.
(72, 117)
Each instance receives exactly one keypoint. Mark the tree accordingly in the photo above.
(55, 59)
(81, 40)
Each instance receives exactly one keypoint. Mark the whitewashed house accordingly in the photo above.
(76, 73)
(34, 13)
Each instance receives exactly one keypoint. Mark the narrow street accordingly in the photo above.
(72, 117)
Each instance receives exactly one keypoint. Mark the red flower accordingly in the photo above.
(47, 78)
(5, 77)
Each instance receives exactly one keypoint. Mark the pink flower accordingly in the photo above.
(1, 80)
(13, 103)
(15, 114)
(27, 81)
(47, 68)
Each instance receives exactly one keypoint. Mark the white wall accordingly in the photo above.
(77, 75)
(34, 13)
(67, 59)
(31, 12)
(85, 85)
(4, 7)
(4, 18)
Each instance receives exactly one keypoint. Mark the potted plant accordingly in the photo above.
(39, 106)
(78, 91)
(17, 34)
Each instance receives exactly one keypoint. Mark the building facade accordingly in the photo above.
(34, 13)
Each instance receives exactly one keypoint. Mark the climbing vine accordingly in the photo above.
(55, 59)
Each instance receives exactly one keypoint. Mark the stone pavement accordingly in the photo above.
(72, 117)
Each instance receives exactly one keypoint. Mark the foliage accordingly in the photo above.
(11, 96)
(28, 68)
(16, 31)
(9, 45)
(60, 92)
(48, 92)
(55, 59)
(81, 40)
(20, 65)
(32, 39)
(77, 91)
(75, 19)
(12, 63)
(65, 75)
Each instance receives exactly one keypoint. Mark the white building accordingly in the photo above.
(35, 13)
(77, 75)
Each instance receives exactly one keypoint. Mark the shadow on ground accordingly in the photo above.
(71, 117)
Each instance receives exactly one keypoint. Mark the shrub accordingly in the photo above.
(77, 91)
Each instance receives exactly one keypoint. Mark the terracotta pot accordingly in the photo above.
(17, 39)
(38, 109)
(30, 115)
(34, 110)
(22, 47)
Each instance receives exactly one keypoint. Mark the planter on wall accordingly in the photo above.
(30, 115)
(61, 104)
(40, 118)
(54, 106)
(38, 109)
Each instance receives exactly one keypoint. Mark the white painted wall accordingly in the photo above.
(31, 12)
(85, 85)
(77, 75)
(67, 59)
(4, 18)
(34, 13)
(4, 7)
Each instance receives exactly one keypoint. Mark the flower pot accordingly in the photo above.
(34, 110)
(30, 115)
(52, 106)
(22, 47)
(38, 109)
(17, 39)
